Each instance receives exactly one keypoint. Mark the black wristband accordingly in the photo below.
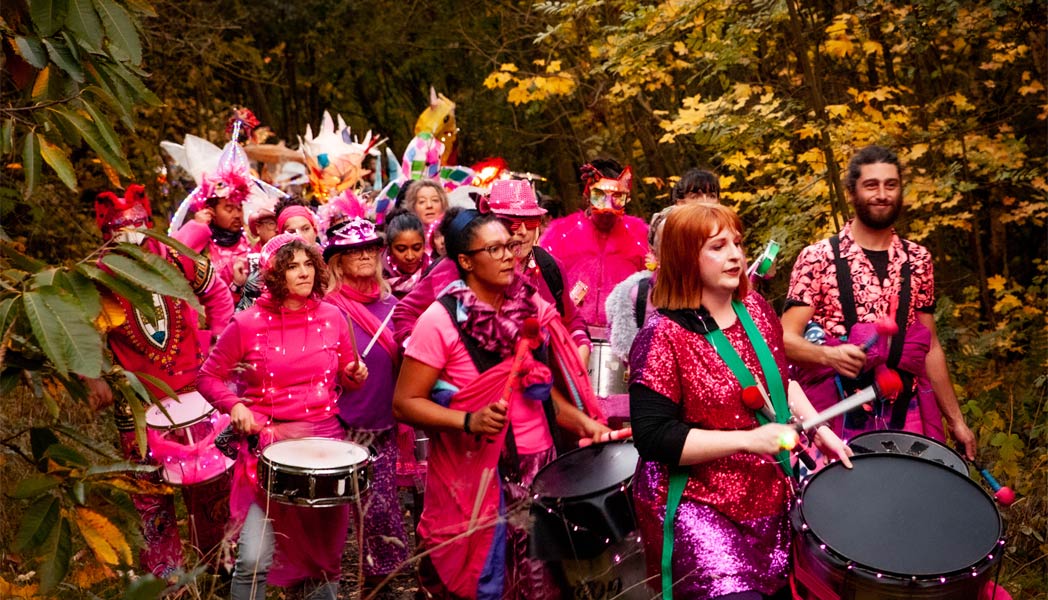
(465, 423)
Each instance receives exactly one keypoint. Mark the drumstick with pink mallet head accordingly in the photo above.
(1001, 493)
(885, 327)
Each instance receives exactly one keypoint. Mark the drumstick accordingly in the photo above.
(1002, 493)
(608, 436)
(374, 338)
(529, 332)
(353, 339)
(886, 384)
(885, 327)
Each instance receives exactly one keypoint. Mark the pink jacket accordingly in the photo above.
(286, 362)
(197, 236)
(599, 260)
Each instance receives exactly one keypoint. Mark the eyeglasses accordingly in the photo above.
(361, 251)
(513, 223)
(498, 251)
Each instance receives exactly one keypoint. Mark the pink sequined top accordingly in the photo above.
(682, 366)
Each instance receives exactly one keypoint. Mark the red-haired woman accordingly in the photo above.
(699, 443)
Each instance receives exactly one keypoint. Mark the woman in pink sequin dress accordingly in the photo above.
(730, 535)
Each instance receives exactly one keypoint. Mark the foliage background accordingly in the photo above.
(774, 95)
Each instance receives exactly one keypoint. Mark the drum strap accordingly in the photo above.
(678, 476)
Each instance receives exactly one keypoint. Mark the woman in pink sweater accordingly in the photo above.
(290, 352)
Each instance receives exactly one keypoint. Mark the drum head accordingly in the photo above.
(910, 444)
(901, 515)
(188, 409)
(315, 453)
(587, 471)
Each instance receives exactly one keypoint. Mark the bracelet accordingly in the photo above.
(465, 423)
(233, 287)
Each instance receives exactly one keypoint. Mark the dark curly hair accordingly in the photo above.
(869, 155)
(275, 277)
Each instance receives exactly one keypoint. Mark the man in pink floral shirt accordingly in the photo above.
(890, 279)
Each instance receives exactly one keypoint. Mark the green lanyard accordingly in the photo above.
(678, 476)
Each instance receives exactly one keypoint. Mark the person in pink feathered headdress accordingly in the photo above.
(170, 350)
(600, 245)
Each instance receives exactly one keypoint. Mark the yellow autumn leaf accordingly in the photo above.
(737, 161)
(808, 131)
(12, 590)
(91, 575)
(105, 539)
(1007, 304)
(497, 80)
(918, 150)
(961, 102)
(508, 67)
(1033, 88)
(996, 283)
(680, 48)
(869, 47)
(837, 110)
(112, 314)
(839, 48)
(553, 66)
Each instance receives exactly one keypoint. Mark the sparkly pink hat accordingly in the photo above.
(514, 197)
(275, 244)
(354, 233)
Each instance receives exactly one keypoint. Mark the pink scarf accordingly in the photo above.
(497, 331)
(353, 302)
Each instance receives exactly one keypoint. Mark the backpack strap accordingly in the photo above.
(844, 285)
(552, 275)
(642, 301)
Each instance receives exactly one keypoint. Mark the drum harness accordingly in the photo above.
(678, 476)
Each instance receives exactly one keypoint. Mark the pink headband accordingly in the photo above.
(296, 211)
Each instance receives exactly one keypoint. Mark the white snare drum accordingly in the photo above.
(183, 440)
(314, 471)
(607, 373)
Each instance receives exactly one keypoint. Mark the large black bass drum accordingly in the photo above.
(895, 526)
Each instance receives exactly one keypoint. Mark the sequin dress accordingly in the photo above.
(731, 532)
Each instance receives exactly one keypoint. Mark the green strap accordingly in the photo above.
(678, 476)
(678, 479)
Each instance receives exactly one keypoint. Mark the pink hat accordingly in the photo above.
(296, 210)
(514, 197)
(275, 244)
(354, 233)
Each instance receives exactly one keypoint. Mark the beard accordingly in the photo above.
(880, 220)
(603, 220)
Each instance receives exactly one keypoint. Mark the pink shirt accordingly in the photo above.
(436, 342)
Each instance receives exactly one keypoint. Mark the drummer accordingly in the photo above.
(169, 351)
(291, 352)
(699, 443)
(485, 447)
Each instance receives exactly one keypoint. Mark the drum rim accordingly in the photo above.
(806, 529)
(282, 468)
(920, 436)
(156, 408)
(627, 482)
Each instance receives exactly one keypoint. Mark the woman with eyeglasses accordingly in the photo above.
(491, 414)
(359, 291)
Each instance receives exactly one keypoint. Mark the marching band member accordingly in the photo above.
(292, 351)
(699, 443)
(486, 447)
(359, 291)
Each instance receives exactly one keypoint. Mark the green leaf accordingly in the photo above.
(40, 439)
(79, 492)
(91, 134)
(44, 278)
(167, 240)
(64, 332)
(37, 523)
(48, 15)
(103, 125)
(170, 283)
(83, 290)
(62, 56)
(159, 384)
(83, 20)
(7, 137)
(32, 51)
(163, 268)
(141, 299)
(119, 467)
(19, 260)
(147, 587)
(8, 313)
(124, 44)
(31, 487)
(134, 83)
(113, 93)
(102, 449)
(57, 159)
(137, 411)
(66, 456)
(58, 551)
(30, 163)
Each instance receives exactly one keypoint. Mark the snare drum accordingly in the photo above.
(910, 444)
(314, 471)
(895, 526)
(606, 372)
(183, 441)
(582, 502)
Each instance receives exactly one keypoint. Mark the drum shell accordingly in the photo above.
(607, 373)
(582, 526)
(182, 442)
(314, 487)
(909, 444)
(821, 573)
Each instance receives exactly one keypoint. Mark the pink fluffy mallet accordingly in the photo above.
(885, 327)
